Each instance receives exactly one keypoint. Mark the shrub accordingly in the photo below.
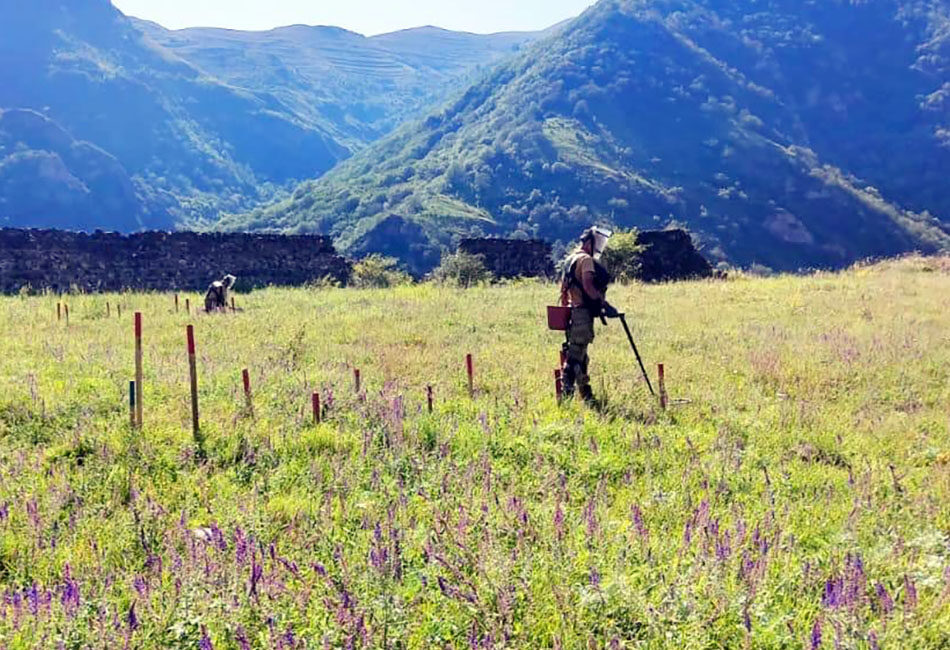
(378, 272)
(622, 257)
(462, 269)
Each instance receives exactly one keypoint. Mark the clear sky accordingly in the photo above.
(364, 16)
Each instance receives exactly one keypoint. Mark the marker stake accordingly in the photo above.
(470, 369)
(193, 372)
(138, 370)
(661, 372)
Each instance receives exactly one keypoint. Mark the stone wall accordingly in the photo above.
(160, 261)
(669, 256)
(512, 258)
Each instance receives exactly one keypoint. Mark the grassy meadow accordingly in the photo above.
(796, 494)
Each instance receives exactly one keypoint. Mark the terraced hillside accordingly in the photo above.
(357, 88)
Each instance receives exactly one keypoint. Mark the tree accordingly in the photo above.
(378, 272)
(462, 269)
(622, 257)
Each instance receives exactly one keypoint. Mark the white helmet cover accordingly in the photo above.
(601, 237)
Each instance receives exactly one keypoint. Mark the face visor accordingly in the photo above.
(600, 237)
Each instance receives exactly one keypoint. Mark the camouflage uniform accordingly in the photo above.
(580, 332)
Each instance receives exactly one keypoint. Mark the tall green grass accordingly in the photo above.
(796, 494)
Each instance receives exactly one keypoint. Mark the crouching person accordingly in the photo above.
(217, 297)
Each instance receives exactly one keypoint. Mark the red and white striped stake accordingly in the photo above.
(357, 383)
(193, 371)
(246, 376)
(59, 311)
(429, 397)
(558, 385)
(661, 372)
(315, 400)
(470, 369)
(138, 369)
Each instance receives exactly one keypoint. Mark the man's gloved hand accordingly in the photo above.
(610, 311)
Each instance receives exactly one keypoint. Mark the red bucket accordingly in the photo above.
(559, 318)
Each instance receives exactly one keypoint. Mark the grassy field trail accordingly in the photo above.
(795, 495)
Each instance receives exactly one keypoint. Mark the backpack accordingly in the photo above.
(602, 280)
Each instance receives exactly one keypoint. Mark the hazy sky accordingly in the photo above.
(363, 16)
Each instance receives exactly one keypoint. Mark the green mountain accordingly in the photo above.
(358, 89)
(786, 133)
(49, 179)
(173, 140)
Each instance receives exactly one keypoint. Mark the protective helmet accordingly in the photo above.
(600, 237)
(229, 281)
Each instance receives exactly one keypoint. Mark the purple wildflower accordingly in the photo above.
(141, 587)
(872, 641)
(590, 514)
(594, 577)
(910, 594)
(288, 640)
(559, 521)
(5, 511)
(242, 639)
(636, 515)
(33, 599)
(205, 642)
(834, 593)
(131, 619)
(70, 595)
(816, 635)
(884, 600)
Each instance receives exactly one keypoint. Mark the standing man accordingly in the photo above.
(217, 297)
(584, 290)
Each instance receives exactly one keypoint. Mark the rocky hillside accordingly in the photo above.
(172, 140)
(782, 133)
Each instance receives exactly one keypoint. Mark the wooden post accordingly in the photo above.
(470, 369)
(66, 310)
(661, 372)
(233, 306)
(138, 369)
(176, 303)
(193, 371)
(558, 385)
(247, 391)
(315, 400)
(59, 311)
(132, 403)
(429, 396)
(188, 305)
(356, 380)
(108, 310)
(118, 309)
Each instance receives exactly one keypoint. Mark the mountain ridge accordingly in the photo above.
(646, 113)
(193, 142)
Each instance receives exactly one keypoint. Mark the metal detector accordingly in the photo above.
(626, 328)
